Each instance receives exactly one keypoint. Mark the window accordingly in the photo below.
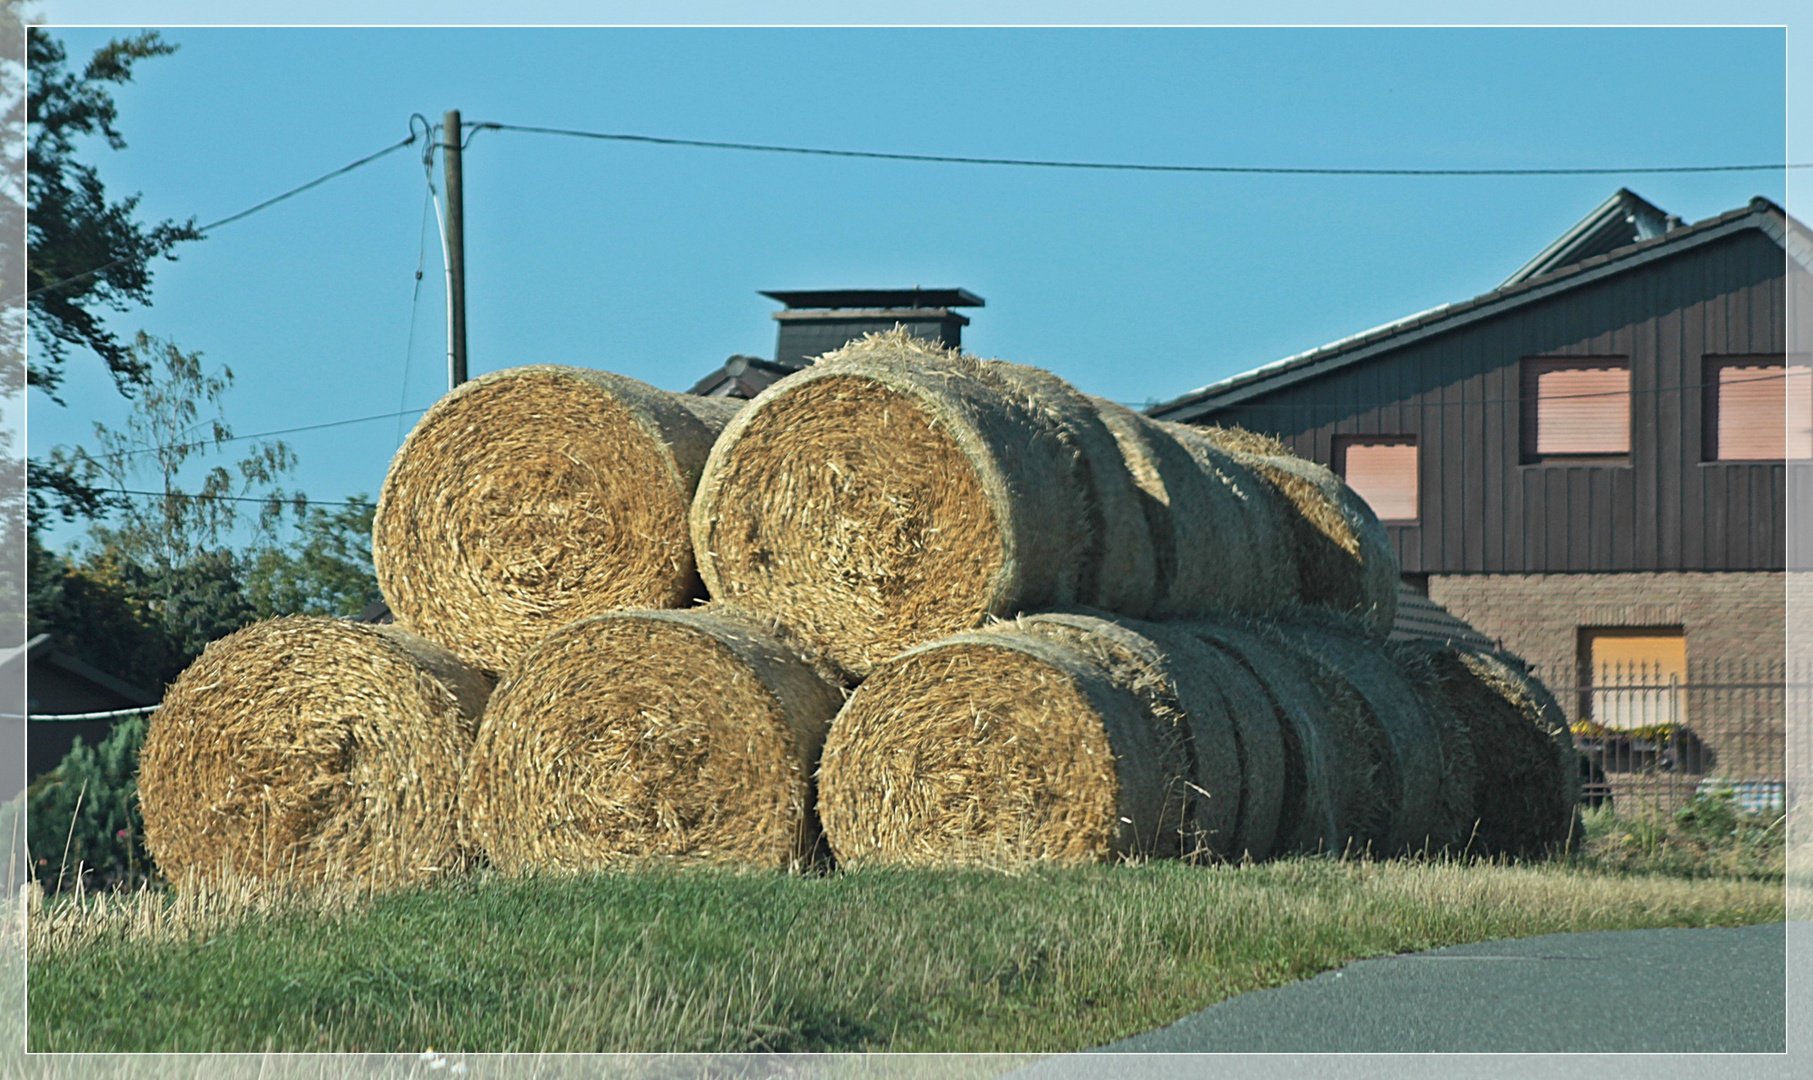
(1758, 408)
(1634, 677)
(1576, 409)
(1382, 470)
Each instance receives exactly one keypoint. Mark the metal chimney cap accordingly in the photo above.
(877, 298)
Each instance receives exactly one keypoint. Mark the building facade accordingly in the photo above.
(1589, 463)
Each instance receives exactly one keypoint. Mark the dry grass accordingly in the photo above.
(655, 734)
(534, 496)
(897, 492)
(311, 747)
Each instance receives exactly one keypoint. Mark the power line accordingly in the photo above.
(248, 212)
(286, 500)
(268, 434)
(1247, 170)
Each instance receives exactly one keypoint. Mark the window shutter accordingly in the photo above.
(1384, 474)
(1764, 412)
(1580, 407)
(1636, 676)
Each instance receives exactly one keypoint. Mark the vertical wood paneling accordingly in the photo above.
(1460, 395)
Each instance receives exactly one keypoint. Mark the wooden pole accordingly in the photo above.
(456, 250)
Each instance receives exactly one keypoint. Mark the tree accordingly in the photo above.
(326, 572)
(84, 254)
(166, 526)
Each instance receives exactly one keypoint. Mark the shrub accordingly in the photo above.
(82, 818)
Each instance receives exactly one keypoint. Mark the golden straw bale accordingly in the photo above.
(1220, 537)
(313, 747)
(997, 748)
(1527, 775)
(534, 496)
(1344, 558)
(1177, 682)
(896, 492)
(688, 735)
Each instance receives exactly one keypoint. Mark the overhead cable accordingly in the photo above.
(1259, 170)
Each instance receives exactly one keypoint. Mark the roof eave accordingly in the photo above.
(1767, 217)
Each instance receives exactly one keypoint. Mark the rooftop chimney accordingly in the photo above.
(818, 321)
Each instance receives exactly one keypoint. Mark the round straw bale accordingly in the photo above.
(996, 748)
(1527, 770)
(1344, 557)
(320, 748)
(534, 496)
(1199, 750)
(1312, 796)
(1217, 531)
(1429, 785)
(687, 735)
(896, 492)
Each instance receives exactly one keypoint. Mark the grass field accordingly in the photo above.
(704, 960)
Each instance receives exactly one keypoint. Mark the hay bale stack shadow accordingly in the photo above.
(689, 735)
(1000, 748)
(1527, 771)
(311, 748)
(1426, 771)
(1343, 557)
(897, 492)
(534, 496)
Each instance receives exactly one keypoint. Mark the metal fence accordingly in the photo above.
(1652, 740)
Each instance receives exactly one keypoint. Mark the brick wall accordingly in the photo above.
(1734, 624)
(1729, 619)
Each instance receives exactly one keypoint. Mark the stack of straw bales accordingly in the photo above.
(896, 492)
(1077, 737)
(1073, 634)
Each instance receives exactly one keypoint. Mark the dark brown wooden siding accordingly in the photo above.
(1485, 511)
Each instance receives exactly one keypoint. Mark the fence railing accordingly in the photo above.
(1652, 739)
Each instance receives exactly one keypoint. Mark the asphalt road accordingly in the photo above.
(1711, 990)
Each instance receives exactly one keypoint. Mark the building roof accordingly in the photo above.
(877, 298)
(1623, 219)
(744, 377)
(40, 651)
(1760, 214)
(1420, 618)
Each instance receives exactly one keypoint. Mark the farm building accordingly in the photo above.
(1590, 464)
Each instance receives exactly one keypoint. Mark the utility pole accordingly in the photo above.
(456, 251)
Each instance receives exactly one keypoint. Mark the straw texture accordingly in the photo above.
(313, 747)
(998, 748)
(1343, 557)
(689, 735)
(896, 492)
(534, 496)
(1527, 771)
(1427, 780)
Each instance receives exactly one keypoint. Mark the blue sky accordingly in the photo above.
(647, 260)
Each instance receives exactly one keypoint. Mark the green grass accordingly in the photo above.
(703, 960)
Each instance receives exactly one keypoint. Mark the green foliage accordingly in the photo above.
(710, 960)
(87, 253)
(83, 816)
(1710, 836)
(96, 611)
(326, 571)
(172, 525)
